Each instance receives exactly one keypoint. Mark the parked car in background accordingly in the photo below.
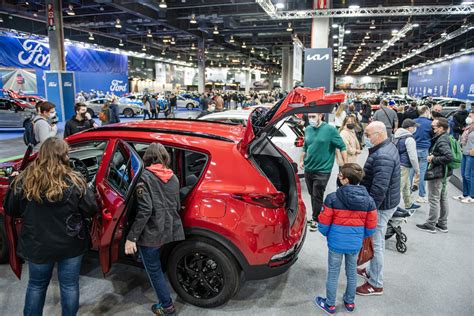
(135, 99)
(126, 109)
(288, 135)
(14, 113)
(33, 99)
(450, 105)
(237, 228)
(187, 103)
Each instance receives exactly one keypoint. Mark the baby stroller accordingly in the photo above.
(394, 228)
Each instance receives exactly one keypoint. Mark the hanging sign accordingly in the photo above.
(51, 25)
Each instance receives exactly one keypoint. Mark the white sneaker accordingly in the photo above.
(467, 200)
(421, 200)
(458, 197)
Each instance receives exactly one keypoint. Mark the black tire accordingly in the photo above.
(401, 247)
(3, 242)
(403, 237)
(128, 112)
(91, 113)
(217, 277)
(189, 106)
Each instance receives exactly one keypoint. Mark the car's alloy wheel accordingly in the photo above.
(203, 274)
(3, 242)
(190, 106)
(128, 113)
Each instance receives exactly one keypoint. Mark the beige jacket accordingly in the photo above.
(352, 144)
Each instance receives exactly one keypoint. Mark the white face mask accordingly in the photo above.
(52, 115)
(468, 121)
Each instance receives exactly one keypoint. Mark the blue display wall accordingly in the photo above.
(94, 69)
(453, 78)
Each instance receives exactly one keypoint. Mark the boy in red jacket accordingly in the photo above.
(349, 215)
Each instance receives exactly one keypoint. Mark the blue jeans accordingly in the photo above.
(151, 261)
(39, 277)
(467, 172)
(334, 267)
(422, 159)
(375, 267)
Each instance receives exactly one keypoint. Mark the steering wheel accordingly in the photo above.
(79, 166)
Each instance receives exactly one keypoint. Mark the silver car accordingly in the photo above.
(126, 109)
(14, 114)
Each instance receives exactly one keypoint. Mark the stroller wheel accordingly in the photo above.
(403, 237)
(401, 247)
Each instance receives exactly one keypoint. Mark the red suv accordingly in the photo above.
(242, 209)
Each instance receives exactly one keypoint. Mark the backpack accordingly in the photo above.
(29, 134)
(457, 154)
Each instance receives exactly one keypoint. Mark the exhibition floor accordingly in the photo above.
(434, 277)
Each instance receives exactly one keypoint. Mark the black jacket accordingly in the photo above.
(410, 114)
(382, 175)
(74, 126)
(442, 155)
(459, 119)
(157, 220)
(44, 237)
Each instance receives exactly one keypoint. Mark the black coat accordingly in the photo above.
(114, 113)
(44, 237)
(382, 175)
(157, 221)
(74, 126)
(459, 119)
(410, 114)
(442, 155)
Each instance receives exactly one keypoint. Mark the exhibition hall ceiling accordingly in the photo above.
(241, 31)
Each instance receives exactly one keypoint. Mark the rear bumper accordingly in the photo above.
(273, 268)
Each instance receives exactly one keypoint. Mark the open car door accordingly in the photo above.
(13, 225)
(116, 191)
(298, 101)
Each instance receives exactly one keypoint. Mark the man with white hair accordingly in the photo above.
(382, 180)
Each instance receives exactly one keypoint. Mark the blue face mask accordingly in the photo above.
(368, 143)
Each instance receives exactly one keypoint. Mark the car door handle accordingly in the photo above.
(106, 214)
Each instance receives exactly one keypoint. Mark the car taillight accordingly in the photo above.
(274, 200)
(299, 142)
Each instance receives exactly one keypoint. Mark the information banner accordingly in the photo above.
(53, 91)
(461, 78)
(68, 94)
(297, 62)
(318, 68)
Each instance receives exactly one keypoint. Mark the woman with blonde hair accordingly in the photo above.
(55, 203)
(340, 115)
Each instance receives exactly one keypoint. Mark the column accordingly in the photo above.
(320, 27)
(285, 69)
(201, 66)
(55, 35)
(248, 79)
(290, 68)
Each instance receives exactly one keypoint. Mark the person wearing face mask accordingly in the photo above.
(406, 146)
(41, 126)
(53, 200)
(348, 135)
(321, 141)
(467, 164)
(437, 176)
(79, 122)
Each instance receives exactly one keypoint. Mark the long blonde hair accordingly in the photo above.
(340, 109)
(49, 174)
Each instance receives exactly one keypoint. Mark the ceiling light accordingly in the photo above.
(243, 45)
(117, 24)
(363, 44)
(367, 36)
(372, 25)
(347, 31)
(394, 31)
(144, 48)
(163, 52)
(216, 31)
(444, 34)
(173, 41)
(462, 49)
(227, 58)
(1, 19)
(289, 28)
(91, 36)
(415, 25)
(231, 39)
(354, 7)
(212, 63)
(193, 47)
(385, 41)
(163, 4)
(335, 44)
(336, 50)
(334, 26)
(220, 65)
(335, 36)
(121, 43)
(190, 58)
(252, 50)
(178, 56)
(193, 19)
(280, 5)
(218, 55)
(70, 10)
(149, 34)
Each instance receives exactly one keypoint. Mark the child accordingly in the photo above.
(349, 215)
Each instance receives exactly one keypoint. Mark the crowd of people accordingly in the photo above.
(407, 148)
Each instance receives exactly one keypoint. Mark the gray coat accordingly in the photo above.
(157, 221)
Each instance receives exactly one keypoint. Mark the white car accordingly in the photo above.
(187, 103)
(288, 135)
(127, 110)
